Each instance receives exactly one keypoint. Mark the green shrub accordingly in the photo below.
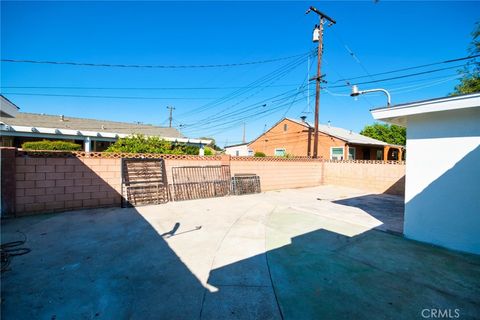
(259, 154)
(51, 145)
(143, 144)
(208, 151)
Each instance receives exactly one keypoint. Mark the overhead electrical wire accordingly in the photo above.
(103, 97)
(260, 104)
(250, 107)
(264, 81)
(152, 66)
(304, 84)
(403, 76)
(398, 77)
(407, 68)
(137, 88)
(258, 115)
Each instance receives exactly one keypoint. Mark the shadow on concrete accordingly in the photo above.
(171, 233)
(447, 211)
(398, 188)
(386, 208)
(106, 264)
(325, 275)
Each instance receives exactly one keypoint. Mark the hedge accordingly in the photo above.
(51, 145)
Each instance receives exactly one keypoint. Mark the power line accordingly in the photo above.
(258, 115)
(137, 88)
(102, 97)
(398, 77)
(270, 78)
(85, 64)
(234, 115)
(262, 103)
(407, 68)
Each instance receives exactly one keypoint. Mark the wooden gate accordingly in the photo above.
(197, 182)
(144, 182)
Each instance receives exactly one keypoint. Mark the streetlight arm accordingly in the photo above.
(356, 92)
(389, 99)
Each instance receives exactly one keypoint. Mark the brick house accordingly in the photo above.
(295, 138)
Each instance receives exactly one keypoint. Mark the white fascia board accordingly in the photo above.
(380, 144)
(8, 108)
(34, 131)
(397, 114)
(188, 140)
(58, 131)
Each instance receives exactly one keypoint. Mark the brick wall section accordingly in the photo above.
(8, 171)
(58, 184)
(374, 177)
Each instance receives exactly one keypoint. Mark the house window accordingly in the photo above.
(379, 154)
(285, 127)
(351, 153)
(237, 153)
(336, 153)
(250, 152)
(280, 152)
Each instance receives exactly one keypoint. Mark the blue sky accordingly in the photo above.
(383, 36)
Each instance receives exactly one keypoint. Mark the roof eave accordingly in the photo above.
(86, 133)
(398, 114)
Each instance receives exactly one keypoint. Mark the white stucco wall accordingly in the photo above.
(442, 196)
(242, 151)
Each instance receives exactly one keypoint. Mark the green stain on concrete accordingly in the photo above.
(322, 274)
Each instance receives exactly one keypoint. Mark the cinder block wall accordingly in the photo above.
(58, 184)
(374, 176)
(280, 174)
(35, 183)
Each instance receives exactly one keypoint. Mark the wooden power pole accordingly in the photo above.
(171, 113)
(318, 37)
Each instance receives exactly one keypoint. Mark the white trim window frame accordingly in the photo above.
(280, 152)
(338, 155)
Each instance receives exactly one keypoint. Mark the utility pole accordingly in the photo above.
(171, 112)
(243, 140)
(318, 37)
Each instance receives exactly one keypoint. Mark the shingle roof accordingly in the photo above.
(343, 134)
(51, 121)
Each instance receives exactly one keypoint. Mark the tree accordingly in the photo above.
(212, 144)
(143, 144)
(470, 80)
(387, 133)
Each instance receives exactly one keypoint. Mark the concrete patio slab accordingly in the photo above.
(296, 254)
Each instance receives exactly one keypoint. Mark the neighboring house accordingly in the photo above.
(94, 135)
(442, 191)
(241, 149)
(295, 138)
